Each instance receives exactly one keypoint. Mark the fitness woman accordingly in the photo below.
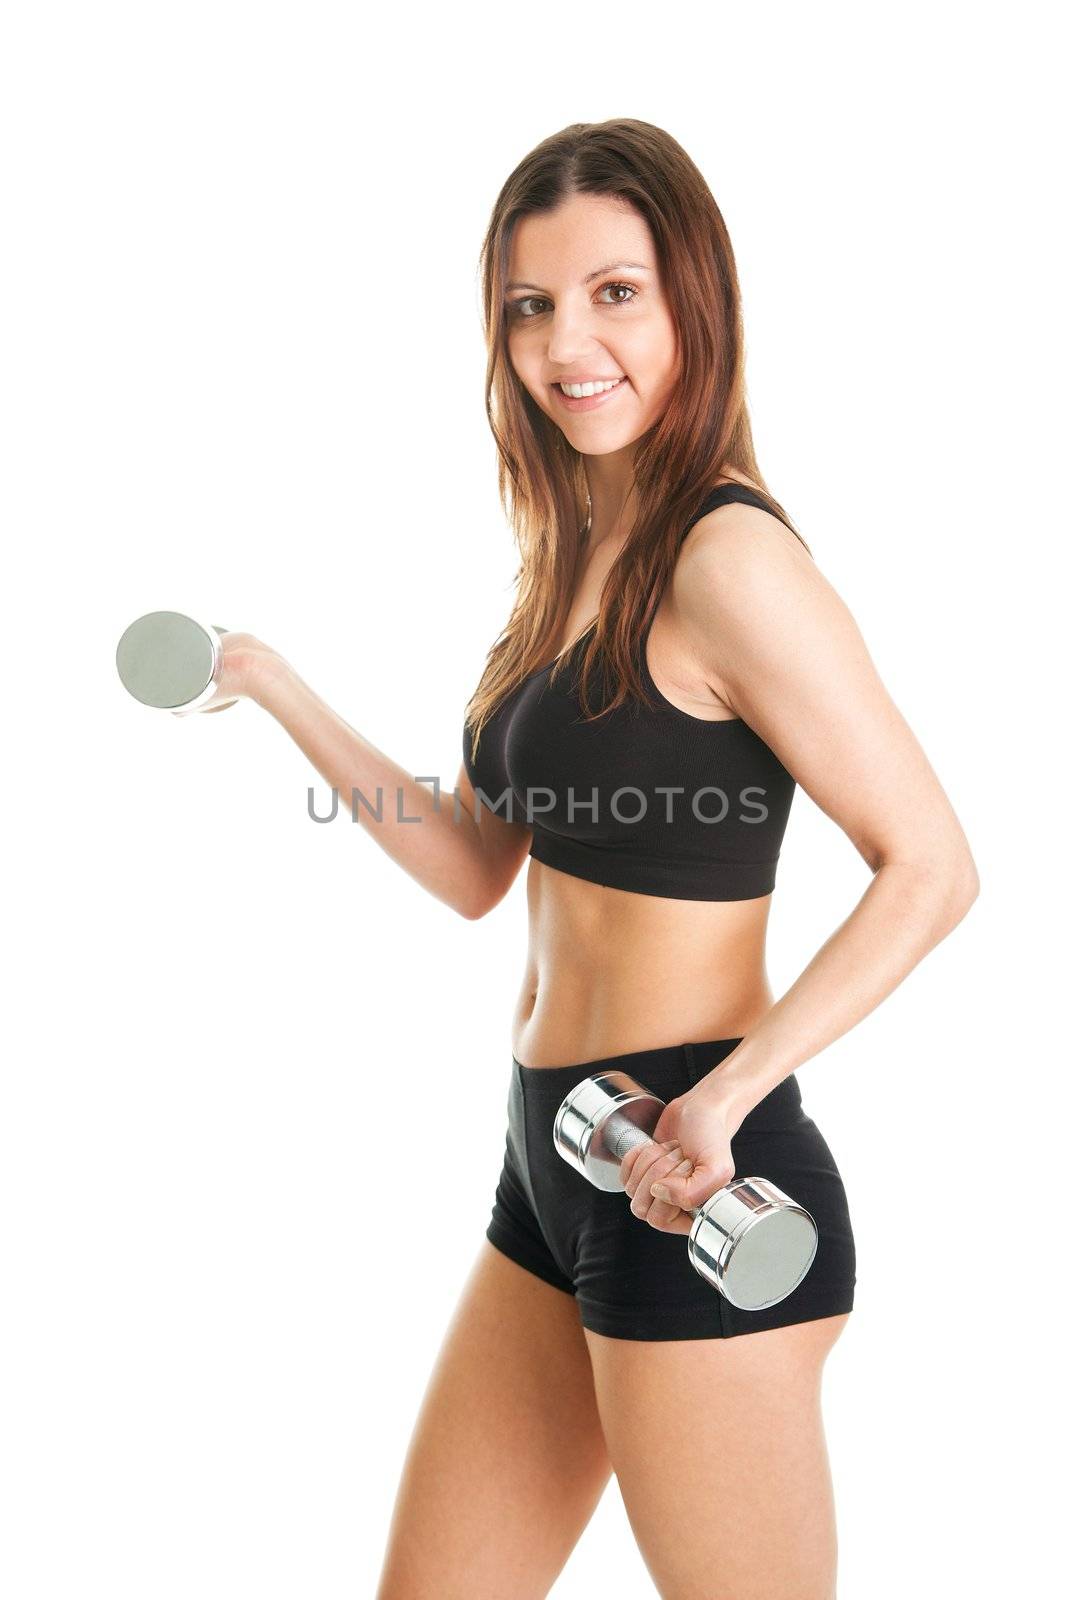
(674, 664)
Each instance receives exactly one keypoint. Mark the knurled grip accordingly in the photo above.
(623, 1136)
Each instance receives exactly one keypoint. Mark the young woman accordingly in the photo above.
(675, 663)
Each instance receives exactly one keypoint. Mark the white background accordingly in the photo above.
(254, 1076)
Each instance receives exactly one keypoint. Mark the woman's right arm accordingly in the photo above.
(467, 861)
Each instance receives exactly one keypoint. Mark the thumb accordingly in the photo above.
(690, 1184)
(673, 1187)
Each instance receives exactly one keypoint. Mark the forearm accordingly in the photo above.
(438, 845)
(905, 911)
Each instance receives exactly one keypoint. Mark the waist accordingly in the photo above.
(666, 1071)
(609, 971)
(603, 927)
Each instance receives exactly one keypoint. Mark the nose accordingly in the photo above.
(570, 338)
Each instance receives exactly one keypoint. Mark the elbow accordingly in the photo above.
(972, 886)
(946, 889)
(474, 907)
(962, 886)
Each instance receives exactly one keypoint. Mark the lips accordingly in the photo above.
(590, 402)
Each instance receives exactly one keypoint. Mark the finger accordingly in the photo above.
(208, 706)
(636, 1162)
(668, 1219)
(644, 1198)
(663, 1211)
(646, 1166)
(690, 1190)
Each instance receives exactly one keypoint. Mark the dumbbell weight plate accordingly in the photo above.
(754, 1242)
(168, 660)
(594, 1116)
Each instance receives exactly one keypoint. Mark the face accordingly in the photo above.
(584, 302)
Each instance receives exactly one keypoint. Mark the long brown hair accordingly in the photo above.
(705, 425)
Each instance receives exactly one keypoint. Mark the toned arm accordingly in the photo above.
(467, 862)
(779, 645)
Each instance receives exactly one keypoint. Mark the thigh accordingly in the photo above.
(507, 1461)
(720, 1455)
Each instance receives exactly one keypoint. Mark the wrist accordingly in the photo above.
(265, 675)
(721, 1099)
(733, 1088)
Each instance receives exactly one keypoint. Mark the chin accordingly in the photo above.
(606, 447)
(608, 442)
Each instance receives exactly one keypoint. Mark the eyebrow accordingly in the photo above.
(612, 266)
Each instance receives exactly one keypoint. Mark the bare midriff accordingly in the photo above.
(609, 971)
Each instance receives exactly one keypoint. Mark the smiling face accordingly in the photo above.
(584, 303)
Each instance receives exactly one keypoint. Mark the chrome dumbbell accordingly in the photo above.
(749, 1240)
(167, 660)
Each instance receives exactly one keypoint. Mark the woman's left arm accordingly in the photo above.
(782, 648)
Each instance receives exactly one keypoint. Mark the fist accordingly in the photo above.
(245, 661)
(688, 1160)
(653, 1163)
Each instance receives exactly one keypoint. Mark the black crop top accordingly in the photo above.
(649, 799)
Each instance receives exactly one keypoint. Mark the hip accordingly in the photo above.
(611, 1258)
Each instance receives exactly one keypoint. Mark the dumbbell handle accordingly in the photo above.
(622, 1136)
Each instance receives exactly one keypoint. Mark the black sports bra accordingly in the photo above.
(649, 799)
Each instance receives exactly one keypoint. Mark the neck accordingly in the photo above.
(611, 481)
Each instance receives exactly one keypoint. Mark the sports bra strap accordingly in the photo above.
(728, 494)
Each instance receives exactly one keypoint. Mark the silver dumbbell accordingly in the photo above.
(749, 1240)
(165, 659)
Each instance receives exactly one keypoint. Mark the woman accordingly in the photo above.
(682, 655)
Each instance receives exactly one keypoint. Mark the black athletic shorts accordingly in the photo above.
(633, 1281)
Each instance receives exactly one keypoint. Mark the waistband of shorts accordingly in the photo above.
(667, 1071)
(664, 1060)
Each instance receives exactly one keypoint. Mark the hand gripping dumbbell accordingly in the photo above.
(749, 1239)
(167, 660)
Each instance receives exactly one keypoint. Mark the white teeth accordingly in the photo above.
(577, 391)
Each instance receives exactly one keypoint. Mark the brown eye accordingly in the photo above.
(631, 291)
(516, 313)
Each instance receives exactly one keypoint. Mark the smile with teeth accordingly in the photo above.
(578, 391)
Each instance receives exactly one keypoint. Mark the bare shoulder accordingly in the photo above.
(737, 520)
(743, 576)
(749, 594)
(737, 546)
